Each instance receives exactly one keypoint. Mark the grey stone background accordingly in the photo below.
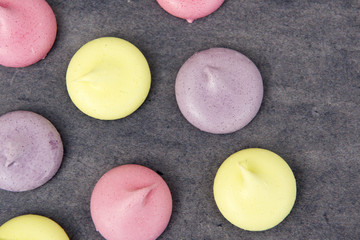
(308, 53)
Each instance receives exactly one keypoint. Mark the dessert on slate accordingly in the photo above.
(31, 151)
(219, 90)
(255, 189)
(32, 227)
(131, 202)
(108, 78)
(190, 9)
(27, 31)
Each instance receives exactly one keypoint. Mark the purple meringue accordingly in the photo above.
(31, 151)
(219, 90)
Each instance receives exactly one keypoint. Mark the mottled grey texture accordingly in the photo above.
(308, 53)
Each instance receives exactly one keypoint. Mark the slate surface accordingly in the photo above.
(309, 55)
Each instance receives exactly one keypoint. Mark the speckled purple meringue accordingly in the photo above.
(31, 151)
(219, 90)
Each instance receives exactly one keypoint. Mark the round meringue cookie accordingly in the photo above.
(31, 151)
(108, 78)
(27, 31)
(131, 202)
(255, 189)
(190, 9)
(32, 227)
(219, 90)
